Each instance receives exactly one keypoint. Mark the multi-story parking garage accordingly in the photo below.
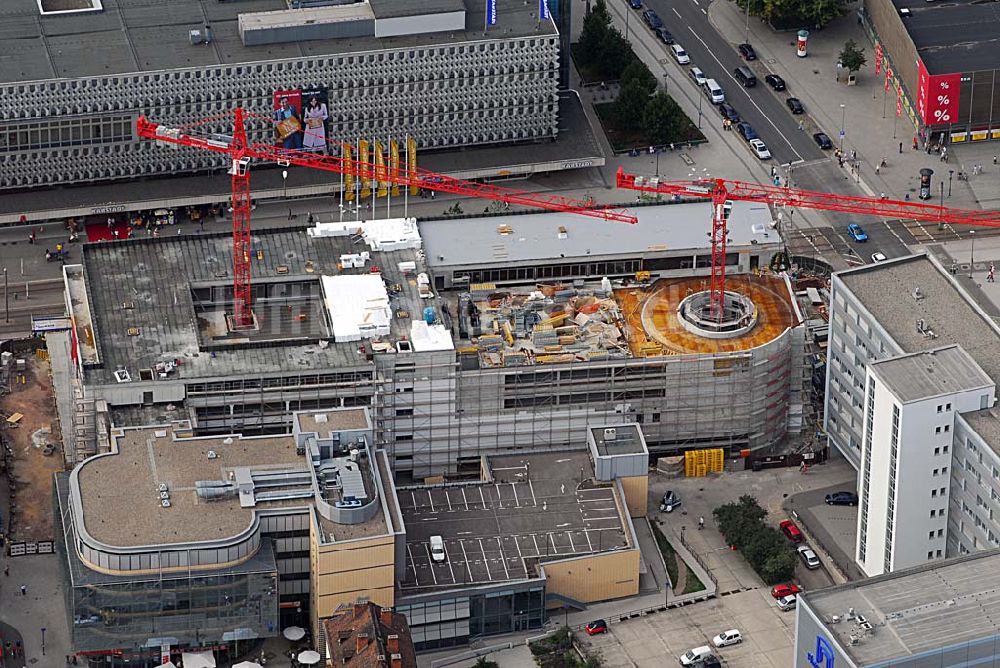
(74, 84)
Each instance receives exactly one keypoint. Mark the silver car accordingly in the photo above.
(808, 557)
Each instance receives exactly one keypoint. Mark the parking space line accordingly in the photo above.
(482, 497)
(550, 537)
(431, 562)
(571, 545)
(499, 498)
(486, 562)
(465, 498)
(517, 544)
(514, 487)
(413, 564)
(503, 559)
(534, 501)
(447, 497)
(453, 580)
(413, 497)
(465, 555)
(538, 552)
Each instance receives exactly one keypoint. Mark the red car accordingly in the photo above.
(791, 531)
(595, 627)
(779, 591)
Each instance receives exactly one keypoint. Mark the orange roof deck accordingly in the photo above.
(661, 300)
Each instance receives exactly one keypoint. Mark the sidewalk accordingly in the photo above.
(870, 123)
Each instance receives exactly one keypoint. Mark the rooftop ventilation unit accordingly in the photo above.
(610, 434)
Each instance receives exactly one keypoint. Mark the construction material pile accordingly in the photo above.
(549, 324)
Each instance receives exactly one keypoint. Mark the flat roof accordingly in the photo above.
(986, 423)
(151, 36)
(122, 506)
(924, 608)
(887, 290)
(930, 373)
(325, 422)
(534, 510)
(627, 440)
(155, 277)
(953, 37)
(534, 237)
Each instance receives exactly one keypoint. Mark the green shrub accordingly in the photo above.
(763, 547)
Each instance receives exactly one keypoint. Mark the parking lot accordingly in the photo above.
(659, 640)
(495, 532)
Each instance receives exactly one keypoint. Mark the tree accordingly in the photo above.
(483, 662)
(613, 54)
(851, 57)
(813, 14)
(631, 104)
(637, 72)
(596, 26)
(663, 120)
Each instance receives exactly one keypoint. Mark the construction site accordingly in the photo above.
(349, 313)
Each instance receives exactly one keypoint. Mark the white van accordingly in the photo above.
(695, 656)
(437, 548)
(714, 91)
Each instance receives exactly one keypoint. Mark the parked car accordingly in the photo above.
(786, 603)
(843, 498)
(760, 149)
(595, 627)
(823, 141)
(695, 656)
(878, 256)
(746, 131)
(711, 661)
(747, 52)
(714, 91)
(859, 235)
(729, 112)
(726, 638)
(808, 557)
(786, 589)
(664, 35)
(437, 548)
(698, 76)
(679, 54)
(795, 106)
(791, 531)
(775, 82)
(635, 4)
(652, 19)
(669, 501)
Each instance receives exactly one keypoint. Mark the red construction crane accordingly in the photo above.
(242, 151)
(722, 190)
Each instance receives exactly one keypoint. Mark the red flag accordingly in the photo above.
(878, 58)
(899, 104)
(888, 75)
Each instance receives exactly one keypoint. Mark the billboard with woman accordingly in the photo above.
(316, 119)
(287, 118)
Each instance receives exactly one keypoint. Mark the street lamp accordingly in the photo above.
(284, 182)
(6, 300)
(746, 37)
(627, 12)
(843, 120)
(699, 111)
(951, 173)
(43, 641)
(972, 251)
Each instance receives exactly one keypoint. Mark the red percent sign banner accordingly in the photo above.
(937, 97)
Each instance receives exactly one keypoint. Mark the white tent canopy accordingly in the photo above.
(247, 664)
(309, 657)
(294, 633)
(198, 659)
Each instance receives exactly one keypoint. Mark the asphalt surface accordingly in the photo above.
(793, 149)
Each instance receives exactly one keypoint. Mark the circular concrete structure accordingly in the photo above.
(739, 315)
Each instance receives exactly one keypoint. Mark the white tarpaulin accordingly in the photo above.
(294, 633)
(358, 305)
(309, 657)
(247, 664)
(198, 660)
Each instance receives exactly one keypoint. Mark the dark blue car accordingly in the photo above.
(635, 4)
(842, 499)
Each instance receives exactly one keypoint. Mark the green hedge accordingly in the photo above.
(764, 547)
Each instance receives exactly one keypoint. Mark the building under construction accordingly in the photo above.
(464, 337)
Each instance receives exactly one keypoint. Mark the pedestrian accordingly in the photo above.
(914, 143)
(31, 237)
(289, 214)
(900, 147)
(882, 196)
(6, 570)
(994, 160)
(310, 219)
(877, 168)
(854, 154)
(114, 233)
(801, 127)
(24, 590)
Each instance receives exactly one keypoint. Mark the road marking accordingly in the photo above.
(447, 497)
(503, 559)
(740, 86)
(413, 564)
(486, 562)
(430, 500)
(534, 540)
(586, 534)
(465, 555)
(704, 12)
(499, 498)
(571, 545)
(516, 500)
(695, 2)
(482, 497)
(452, 570)
(465, 498)
(893, 232)
(431, 562)
(678, 13)
(534, 501)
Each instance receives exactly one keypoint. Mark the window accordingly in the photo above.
(933, 493)
(939, 408)
(938, 554)
(937, 451)
(930, 554)
(937, 430)
(935, 472)
(933, 513)
(947, 407)
(944, 450)
(947, 428)
(930, 535)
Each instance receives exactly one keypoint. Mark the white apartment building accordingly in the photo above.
(909, 423)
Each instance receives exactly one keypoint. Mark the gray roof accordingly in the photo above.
(956, 36)
(129, 36)
(941, 604)
(886, 289)
(661, 228)
(156, 275)
(384, 9)
(627, 441)
(931, 373)
(986, 423)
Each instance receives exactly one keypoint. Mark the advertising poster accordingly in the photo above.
(937, 96)
(543, 9)
(348, 175)
(316, 120)
(491, 12)
(288, 118)
(411, 163)
(380, 175)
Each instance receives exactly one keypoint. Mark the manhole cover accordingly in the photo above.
(688, 160)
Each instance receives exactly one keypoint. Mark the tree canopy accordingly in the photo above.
(851, 57)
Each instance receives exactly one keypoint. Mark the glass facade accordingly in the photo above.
(130, 617)
(448, 620)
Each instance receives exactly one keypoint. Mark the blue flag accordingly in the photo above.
(491, 12)
(543, 9)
